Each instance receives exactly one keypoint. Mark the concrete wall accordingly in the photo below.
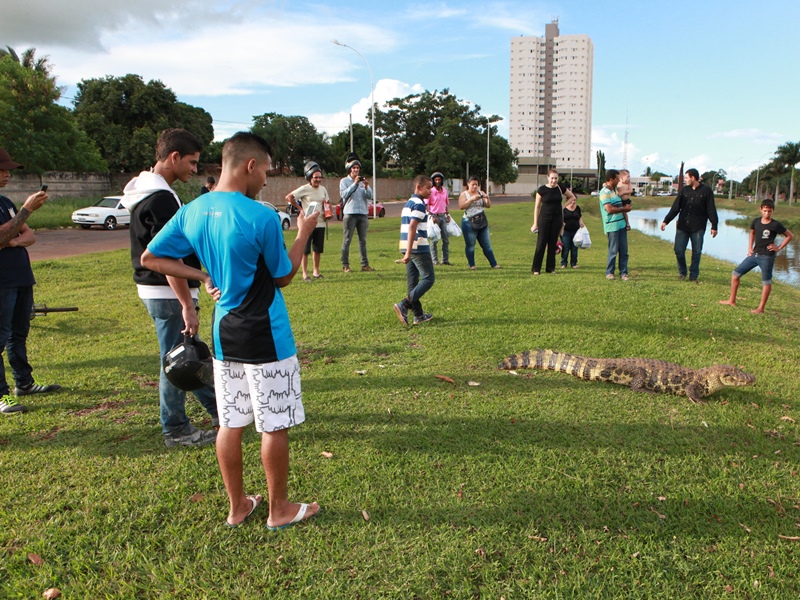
(86, 185)
(277, 188)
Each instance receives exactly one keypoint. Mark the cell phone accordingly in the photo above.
(311, 208)
(44, 188)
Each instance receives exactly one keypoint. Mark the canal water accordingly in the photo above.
(730, 243)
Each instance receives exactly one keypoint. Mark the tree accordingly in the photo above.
(601, 168)
(435, 131)
(294, 141)
(362, 145)
(789, 155)
(124, 116)
(39, 133)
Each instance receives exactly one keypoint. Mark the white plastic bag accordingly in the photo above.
(434, 233)
(578, 238)
(453, 230)
(587, 241)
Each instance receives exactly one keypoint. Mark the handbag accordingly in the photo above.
(479, 221)
(327, 211)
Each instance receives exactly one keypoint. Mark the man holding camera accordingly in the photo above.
(16, 292)
(356, 194)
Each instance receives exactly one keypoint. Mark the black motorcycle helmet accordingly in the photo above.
(188, 365)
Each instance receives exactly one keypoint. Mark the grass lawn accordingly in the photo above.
(539, 485)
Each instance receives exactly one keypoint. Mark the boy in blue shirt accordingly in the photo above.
(417, 253)
(256, 371)
(761, 251)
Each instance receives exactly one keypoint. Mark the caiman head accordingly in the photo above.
(720, 376)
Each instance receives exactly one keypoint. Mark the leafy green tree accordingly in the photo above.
(124, 116)
(789, 155)
(435, 131)
(39, 133)
(601, 168)
(294, 140)
(362, 145)
(212, 154)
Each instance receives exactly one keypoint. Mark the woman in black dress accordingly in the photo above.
(547, 220)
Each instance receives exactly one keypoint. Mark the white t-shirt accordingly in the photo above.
(306, 194)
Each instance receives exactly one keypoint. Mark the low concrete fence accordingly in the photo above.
(87, 185)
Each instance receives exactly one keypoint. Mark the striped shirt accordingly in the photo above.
(414, 210)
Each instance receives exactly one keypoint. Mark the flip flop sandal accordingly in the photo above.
(298, 518)
(255, 502)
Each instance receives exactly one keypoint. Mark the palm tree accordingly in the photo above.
(28, 60)
(789, 155)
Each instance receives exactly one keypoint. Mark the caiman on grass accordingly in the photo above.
(641, 374)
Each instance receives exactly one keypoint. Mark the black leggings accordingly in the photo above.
(549, 230)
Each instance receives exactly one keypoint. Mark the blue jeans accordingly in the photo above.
(764, 262)
(15, 322)
(441, 221)
(617, 246)
(482, 237)
(359, 223)
(168, 319)
(569, 247)
(419, 279)
(681, 241)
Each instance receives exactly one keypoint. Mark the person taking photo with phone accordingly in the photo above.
(16, 292)
(312, 193)
(356, 195)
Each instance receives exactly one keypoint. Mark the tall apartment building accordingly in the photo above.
(551, 97)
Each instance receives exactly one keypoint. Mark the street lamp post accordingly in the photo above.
(372, 110)
(730, 180)
(488, 130)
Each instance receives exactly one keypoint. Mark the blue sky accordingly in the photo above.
(712, 83)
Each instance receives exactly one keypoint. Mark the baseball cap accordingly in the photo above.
(6, 164)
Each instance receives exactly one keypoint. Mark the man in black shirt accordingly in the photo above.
(694, 207)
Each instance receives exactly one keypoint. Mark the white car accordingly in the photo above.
(286, 220)
(108, 212)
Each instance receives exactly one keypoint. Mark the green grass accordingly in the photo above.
(534, 486)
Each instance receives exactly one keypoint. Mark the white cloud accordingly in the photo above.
(503, 15)
(385, 90)
(196, 57)
(432, 12)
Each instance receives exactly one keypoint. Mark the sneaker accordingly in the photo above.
(197, 438)
(35, 388)
(610, 276)
(402, 313)
(446, 262)
(8, 405)
(681, 277)
(422, 318)
(624, 278)
(367, 268)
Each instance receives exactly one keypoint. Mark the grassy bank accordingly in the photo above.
(528, 486)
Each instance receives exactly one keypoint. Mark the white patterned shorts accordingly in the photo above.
(267, 393)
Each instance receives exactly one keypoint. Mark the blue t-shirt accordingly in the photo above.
(240, 243)
(414, 210)
(15, 264)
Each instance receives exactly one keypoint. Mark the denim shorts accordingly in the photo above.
(762, 261)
